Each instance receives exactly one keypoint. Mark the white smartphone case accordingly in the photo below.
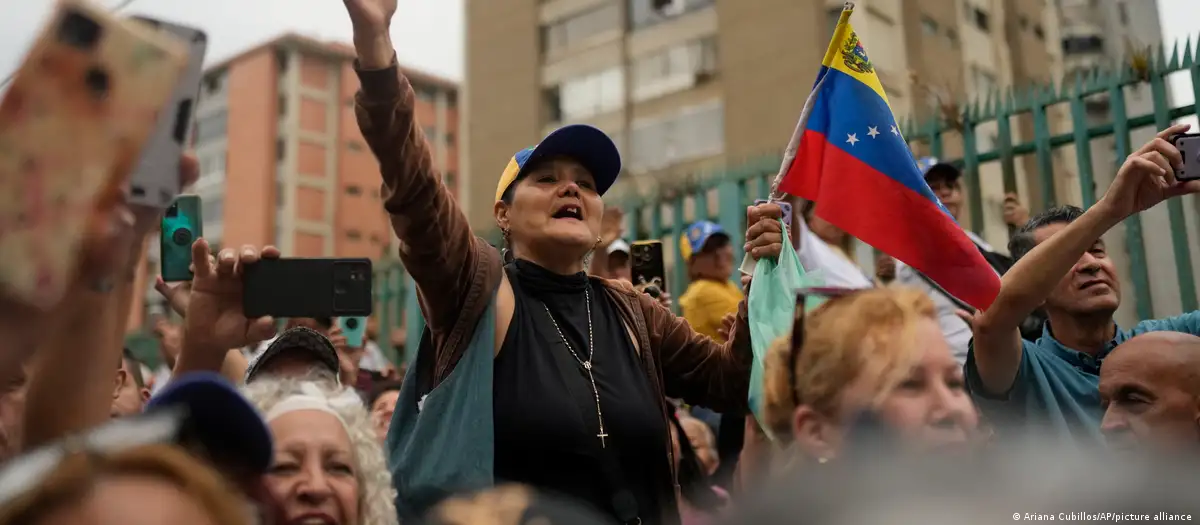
(155, 182)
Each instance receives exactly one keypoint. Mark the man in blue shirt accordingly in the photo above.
(1051, 385)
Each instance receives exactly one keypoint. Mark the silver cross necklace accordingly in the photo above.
(586, 365)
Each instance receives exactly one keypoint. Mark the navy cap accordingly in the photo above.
(587, 145)
(219, 419)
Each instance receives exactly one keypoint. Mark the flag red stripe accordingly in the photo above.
(888, 215)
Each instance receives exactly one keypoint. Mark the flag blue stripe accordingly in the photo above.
(846, 107)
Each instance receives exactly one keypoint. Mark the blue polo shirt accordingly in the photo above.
(1057, 388)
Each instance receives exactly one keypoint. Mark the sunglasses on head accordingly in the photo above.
(802, 295)
(25, 472)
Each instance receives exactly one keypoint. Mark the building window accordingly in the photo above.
(353, 235)
(352, 189)
(280, 194)
(354, 145)
(280, 149)
(573, 30)
(983, 81)
(449, 138)
(643, 13)
(695, 132)
(1123, 13)
(1082, 44)
(587, 95)
(1039, 32)
(929, 26)
(281, 60)
(448, 178)
(214, 82)
(675, 69)
(425, 93)
(952, 36)
(981, 19)
(212, 127)
(282, 105)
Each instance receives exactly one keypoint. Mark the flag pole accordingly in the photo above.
(789, 153)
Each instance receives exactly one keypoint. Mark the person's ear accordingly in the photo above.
(500, 211)
(145, 394)
(815, 435)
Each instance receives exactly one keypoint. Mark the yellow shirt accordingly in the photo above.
(706, 302)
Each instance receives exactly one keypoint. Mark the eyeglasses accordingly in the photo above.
(802, 295)
(26, 471)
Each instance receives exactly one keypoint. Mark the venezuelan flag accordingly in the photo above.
(847, 156)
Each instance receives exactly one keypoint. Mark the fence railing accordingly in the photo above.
(1082, 114)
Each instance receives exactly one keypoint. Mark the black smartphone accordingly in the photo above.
(181, 226)
(299, 287)
(1188, 145)
(648, 268)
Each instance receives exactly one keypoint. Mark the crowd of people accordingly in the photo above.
(549, 387)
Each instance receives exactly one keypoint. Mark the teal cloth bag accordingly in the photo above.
(771, 308)
(445, 443)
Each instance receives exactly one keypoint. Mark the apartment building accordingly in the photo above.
(281, 158)
(685, 85)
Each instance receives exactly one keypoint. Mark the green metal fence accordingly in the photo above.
(722, 195)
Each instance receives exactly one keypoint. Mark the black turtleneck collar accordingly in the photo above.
(539, 280)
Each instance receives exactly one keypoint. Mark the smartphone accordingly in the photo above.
(181, 226)
(787, 210)
(649, 270)
(72, 124)
(354, 328)
(155, 181)
(297, 287)
(1188, 145)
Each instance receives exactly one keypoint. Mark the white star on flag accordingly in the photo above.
(873, 130)
(852, 138)
(894, 130)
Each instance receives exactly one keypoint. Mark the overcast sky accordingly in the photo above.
(428, 33)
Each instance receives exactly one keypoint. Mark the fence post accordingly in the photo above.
(1041, 141)
(1179, 240)
(1133, 225)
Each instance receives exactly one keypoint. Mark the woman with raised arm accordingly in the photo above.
(575, 368)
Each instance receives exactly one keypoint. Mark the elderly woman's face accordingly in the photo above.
(556, 202)
(930, 405)
(314, 476)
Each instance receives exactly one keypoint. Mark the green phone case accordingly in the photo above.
(181, 226)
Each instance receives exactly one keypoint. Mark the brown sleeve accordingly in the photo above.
(436, 243)
(695, 367)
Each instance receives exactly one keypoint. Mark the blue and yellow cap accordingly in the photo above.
(584, 144)
(694, 237)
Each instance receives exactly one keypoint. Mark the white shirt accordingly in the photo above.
(819, 257)
(956, 331)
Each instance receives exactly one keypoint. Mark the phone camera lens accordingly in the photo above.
(352, 323)
(182, 236)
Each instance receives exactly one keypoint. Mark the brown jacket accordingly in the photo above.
(457, 272)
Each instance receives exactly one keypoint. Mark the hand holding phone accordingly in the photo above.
(72, 124)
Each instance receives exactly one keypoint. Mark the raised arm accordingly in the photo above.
(1145, 179)
(436, 242)
(694, 366)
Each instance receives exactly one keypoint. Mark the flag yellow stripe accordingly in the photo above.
(835, 60)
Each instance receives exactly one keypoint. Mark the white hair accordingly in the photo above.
(376, 494)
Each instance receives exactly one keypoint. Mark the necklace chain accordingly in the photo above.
(586, 365)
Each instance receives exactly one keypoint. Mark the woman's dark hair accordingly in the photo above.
(693, 482)
(380, 389)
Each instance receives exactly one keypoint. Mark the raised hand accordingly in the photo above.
(1148, 177)
(215, 321)
(372, 20)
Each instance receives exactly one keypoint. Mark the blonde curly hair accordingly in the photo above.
(376, 495)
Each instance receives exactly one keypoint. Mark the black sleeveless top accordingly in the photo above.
(546, 437)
